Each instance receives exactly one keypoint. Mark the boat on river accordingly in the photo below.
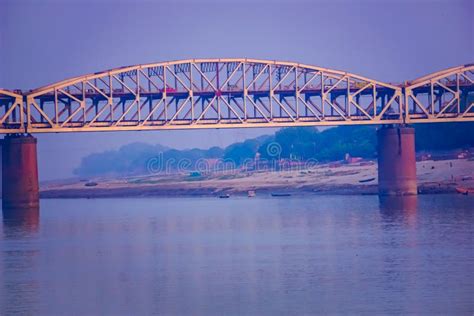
(280, 194)
(465, 191)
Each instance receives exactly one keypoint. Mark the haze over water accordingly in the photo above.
(205, 256)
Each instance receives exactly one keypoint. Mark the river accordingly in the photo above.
(254, 256)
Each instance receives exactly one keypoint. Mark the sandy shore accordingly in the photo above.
(433, 177)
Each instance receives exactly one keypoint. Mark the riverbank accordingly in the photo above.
(433, 177)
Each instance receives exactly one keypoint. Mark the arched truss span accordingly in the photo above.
(11, 114)
(212, 93)
(444, 96)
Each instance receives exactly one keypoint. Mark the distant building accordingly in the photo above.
(443, 155)
(348, 159)
(423, 157)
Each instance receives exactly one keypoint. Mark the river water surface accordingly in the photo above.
(259, 256)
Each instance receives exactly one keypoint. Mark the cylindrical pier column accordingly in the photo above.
(20, 187)
(396, 160)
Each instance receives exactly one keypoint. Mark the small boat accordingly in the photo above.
(281, 194)
(465, 191)
(366, 180)
(251, 193)
(90, 184)
(224, 196)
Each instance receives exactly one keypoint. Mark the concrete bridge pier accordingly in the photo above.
(20, 188)
(396, 160)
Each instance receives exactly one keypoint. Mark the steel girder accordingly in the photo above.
(12, 114)
(211, 93)
(230, 93)
(444, 96)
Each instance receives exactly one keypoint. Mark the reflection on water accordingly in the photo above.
(391, 204)
(21, 222)
(20, 292)
(399, 208)
(297, 255)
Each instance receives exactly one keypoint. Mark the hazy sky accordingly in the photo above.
(43, 41)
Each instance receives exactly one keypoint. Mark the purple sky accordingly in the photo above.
(46, 41)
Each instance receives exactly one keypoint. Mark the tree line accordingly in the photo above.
(296, 143)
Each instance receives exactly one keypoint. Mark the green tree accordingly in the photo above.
(239, 152)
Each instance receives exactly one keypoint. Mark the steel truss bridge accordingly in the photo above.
(229, 93)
